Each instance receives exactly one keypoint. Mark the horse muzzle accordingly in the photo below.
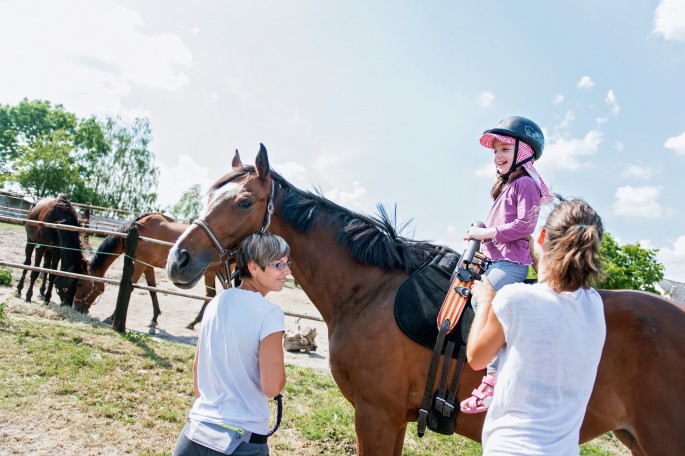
(183, 270)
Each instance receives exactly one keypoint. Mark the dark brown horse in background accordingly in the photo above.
(56, 246)
(148, 256)
(351, 266)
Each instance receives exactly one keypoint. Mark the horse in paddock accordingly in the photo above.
(148, 256)
(351, 266)
(55, 246)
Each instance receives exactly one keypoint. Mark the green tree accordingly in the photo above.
(189, 206)
(125, 177)
(34, 133)
(629, 267)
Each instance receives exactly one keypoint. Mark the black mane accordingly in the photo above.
(370, 240)
(109, 245)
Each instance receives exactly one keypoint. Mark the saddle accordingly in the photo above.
(420, 297)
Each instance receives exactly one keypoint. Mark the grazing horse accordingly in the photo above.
(351, 267)
(147, 257)
(47, 241)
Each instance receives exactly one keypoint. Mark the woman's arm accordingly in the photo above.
(486, 336)
(271, 364)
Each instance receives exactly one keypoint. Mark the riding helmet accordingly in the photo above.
(523, 129)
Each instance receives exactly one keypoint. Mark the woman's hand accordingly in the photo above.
(483, 292)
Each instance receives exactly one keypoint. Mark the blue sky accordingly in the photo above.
(382, 102)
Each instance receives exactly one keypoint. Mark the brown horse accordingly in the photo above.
(148, 256)
(55, 246)
(351, 266)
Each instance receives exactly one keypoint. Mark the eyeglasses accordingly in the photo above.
(280, 265)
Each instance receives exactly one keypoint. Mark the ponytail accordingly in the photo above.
(573, 233)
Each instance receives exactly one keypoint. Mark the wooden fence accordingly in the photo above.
(125, 284)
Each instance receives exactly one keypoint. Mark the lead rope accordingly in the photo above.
(279, 414)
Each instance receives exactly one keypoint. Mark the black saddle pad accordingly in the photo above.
(419, 300)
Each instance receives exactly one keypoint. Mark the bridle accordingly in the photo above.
(84, 301)
(225, 255)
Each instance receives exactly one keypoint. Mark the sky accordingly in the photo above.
(382, 102)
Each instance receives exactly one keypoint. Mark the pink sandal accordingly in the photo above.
(481, 398)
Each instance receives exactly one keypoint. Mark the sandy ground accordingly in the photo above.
(178, 311)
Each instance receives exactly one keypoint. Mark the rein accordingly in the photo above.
(225, 254)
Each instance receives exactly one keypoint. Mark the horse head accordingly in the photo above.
(87, 294)
(240, 203)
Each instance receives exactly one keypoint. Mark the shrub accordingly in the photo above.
(5, 277)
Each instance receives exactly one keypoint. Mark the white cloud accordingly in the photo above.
(295, 173)
(637, 172)
(347, 198)
(639, 202)
(676, 143)
(558, 99)
(566, 153)
(612, 102)
(673, 259)
(669, 20)
(95, 54)
(485, 99)
(174, 181)
(585, 82)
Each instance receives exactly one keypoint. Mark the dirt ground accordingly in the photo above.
(178, 311)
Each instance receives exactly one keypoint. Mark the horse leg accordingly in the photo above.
(156, 312)
(380, 430)
(54, 263)
(629, 441)
(210, 292)
(34, 274)
(44, 289)
(28, 250)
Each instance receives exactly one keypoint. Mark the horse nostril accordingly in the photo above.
(183, 259)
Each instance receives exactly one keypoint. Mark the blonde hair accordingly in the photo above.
(573, 233)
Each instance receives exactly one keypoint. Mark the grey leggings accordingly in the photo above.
(501, 273)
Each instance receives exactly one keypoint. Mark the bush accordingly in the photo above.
(5, 277)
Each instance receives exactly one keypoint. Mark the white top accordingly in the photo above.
(547, 369)
(233, 325)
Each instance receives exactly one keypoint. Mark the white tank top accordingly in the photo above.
(547, 369)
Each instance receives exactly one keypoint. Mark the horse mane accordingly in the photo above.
(370, 240)
(110, 244)
(65, 213)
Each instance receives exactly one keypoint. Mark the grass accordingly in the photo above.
(79, 387)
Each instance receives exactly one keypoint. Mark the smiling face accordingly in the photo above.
(271, 278)
(504, 156)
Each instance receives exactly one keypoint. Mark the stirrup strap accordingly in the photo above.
(440, 404)
(430, 381)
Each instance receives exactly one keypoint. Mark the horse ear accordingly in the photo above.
(262, 162)
(236, 163)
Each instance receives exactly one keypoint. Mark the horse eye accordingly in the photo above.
(245, 204)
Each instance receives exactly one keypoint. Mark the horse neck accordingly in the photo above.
(104, 259)
(71, 253)
(334, 282)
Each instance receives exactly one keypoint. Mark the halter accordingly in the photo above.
(225, 254)
(84, 301)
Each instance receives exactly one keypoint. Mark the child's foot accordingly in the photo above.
(481, 398)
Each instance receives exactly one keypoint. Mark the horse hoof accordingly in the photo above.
(152, 331)
(190, 326)
(153, 324)
(107, 321)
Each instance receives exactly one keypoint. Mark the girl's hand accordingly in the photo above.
(480, 234)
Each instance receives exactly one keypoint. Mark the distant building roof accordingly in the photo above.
(672, 289)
